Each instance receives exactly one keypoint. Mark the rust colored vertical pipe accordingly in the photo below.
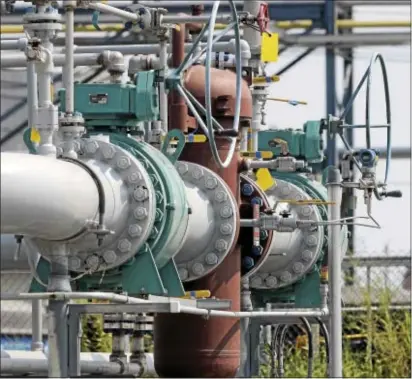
(177, 106)
(188, 345)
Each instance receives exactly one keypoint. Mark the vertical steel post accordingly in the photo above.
(59, 281)
(37, 325)
(245, 305)
(330, 23)
(335, 270)
(349, 209)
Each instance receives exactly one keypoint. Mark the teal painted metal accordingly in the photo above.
(305, 144)
(181, 142)
(306, 292)
(117, 104)
(152, 270)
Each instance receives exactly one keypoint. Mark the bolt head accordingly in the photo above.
(140, 194)
(198, 269)
(183, 273)
(211, 259)
(123, 163)
(134, 177)
(311, 240)
(92, 261)
(307, 255)
(75, 263)
(182, 168)
(226, 212)
(140, 213)
(221, 196)
(285, 190)
(221, 245)
(271, 281)
(211, 183)
(92, 147)
(226, 229)
(306, 211)
(159, 215)
(286, 276)
(124, 246)
(135, 231)
(154, 233)
(159, 197)
(298, 267)
(108, 152)
(197, 173)
(256, 281)
(154, 180)
(110, 256)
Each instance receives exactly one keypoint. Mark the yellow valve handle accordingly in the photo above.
(190, 138)
(201, 294)
(289, 101)
(265, 79)
(264, 179)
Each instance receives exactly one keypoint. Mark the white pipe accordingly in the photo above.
(45, 198)
(69, 67)
(19, 60)
(114, 11)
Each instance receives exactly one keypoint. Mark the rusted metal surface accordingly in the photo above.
(192, 346)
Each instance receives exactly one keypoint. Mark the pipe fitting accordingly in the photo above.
(245, 52)
(113, 61)
(142, 62)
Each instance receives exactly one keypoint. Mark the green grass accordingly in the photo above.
(387, 353)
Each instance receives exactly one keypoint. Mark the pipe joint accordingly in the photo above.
(113, 61)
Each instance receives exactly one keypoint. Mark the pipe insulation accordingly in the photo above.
(44, 197)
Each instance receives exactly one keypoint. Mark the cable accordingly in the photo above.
(325, 334)
(308, 329)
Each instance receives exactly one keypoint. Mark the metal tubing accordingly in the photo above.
(128, 16)
(163, 101)
(19, 60)
(32, 94)
(335, 271)
(37, 366)
(69, 66)
(37, 325)
(54, 205)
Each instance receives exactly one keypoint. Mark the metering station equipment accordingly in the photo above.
(163, 189)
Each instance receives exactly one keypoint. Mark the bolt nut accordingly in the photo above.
(140, 194)
(154, 233)
(285, 190)
(183, 273)
(75, 263)
(307, 255)
(159, 197)
(108, 152)
(221, 245)
(124, 246)
(182, 168)
(154, 180)
(306, 211)
(92, 147)
(211, 183)
(123, 163)
(311, 240)
(135, 231)
(226, 229)
(211, 259)
(286, 276)
(197, 173)
(110, 256)
(198, 269)
(298, 267)
(134, 177)
(226, 212)
(256, 281)
(92, 261)
(221, 196)
(159, 215)
(271, 281)
(140, 213)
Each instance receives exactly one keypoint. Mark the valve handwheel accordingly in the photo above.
(175, 79)
(367, 78)
(263, 17)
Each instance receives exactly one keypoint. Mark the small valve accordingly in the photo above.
(396, 194)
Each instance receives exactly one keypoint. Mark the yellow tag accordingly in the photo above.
(34, 135)
(264, 180)
(52, 92)
(270, 47)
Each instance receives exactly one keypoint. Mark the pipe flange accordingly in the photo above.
(50, 20)
(194, 262)
(292, 255)
(136, 200)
